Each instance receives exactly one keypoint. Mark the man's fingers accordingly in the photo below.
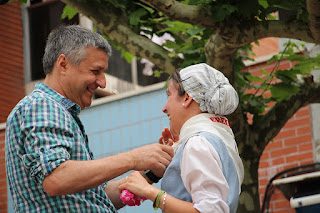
(169, 150)
(150, 156)
(165, 163)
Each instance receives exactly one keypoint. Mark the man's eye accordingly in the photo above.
(95, 71)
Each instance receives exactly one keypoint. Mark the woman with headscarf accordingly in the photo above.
(206, 172)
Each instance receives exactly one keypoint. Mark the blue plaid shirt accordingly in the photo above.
(42, 132)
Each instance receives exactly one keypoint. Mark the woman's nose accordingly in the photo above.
(164, 109)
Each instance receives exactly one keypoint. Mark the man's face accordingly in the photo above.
(79, 82)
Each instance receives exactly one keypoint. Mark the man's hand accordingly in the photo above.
(155, 157)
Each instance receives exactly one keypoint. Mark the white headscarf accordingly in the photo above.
(209, 88)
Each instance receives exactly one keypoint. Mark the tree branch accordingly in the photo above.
(185, 13)
(283, 29)
(272, 122)
(221, 56)
(313, 7)
(116, 27)
(237, 37)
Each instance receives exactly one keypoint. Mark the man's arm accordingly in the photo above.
(77, 176)
(114, 193)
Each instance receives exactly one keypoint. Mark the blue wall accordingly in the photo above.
(122, 125)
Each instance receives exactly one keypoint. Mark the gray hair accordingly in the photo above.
(72, 41)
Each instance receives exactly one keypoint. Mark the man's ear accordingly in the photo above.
(187, 100)
(62, 62)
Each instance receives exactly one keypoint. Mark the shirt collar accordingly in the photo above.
(65, 102)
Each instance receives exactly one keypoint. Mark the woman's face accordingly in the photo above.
(174, 108)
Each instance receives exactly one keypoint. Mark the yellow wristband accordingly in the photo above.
(157, 200)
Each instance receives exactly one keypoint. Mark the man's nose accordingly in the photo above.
(101, 81)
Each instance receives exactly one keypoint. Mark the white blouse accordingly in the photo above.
(201, 168)
(204, 180)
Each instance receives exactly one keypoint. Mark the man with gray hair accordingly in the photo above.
(50, 167)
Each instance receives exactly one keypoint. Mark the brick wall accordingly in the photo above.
(267, 46)
(290, 148)
(11, 58)
(11, 77)
(3, 180)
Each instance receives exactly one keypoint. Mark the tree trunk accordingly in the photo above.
(249, 197)
(250, 152)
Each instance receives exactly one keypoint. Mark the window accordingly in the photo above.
(43, 17)
(120, 68)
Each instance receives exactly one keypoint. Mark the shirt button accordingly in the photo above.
(41, 149)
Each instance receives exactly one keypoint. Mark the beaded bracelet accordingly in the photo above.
(164, 201)
(157, 200)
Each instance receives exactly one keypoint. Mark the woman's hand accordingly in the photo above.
(167, 138)
(138, 185)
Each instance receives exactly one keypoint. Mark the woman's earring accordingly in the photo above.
(183, 104)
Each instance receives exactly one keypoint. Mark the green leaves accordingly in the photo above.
(257, 92)
(254, 78)
(21, 1)
(282, 91)
(221, 12)
(127, 55)
(178, 26)
(136, 16)
(68, 12)
(189, 40)
(118, 3)
(263, 3)
(256, 105)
